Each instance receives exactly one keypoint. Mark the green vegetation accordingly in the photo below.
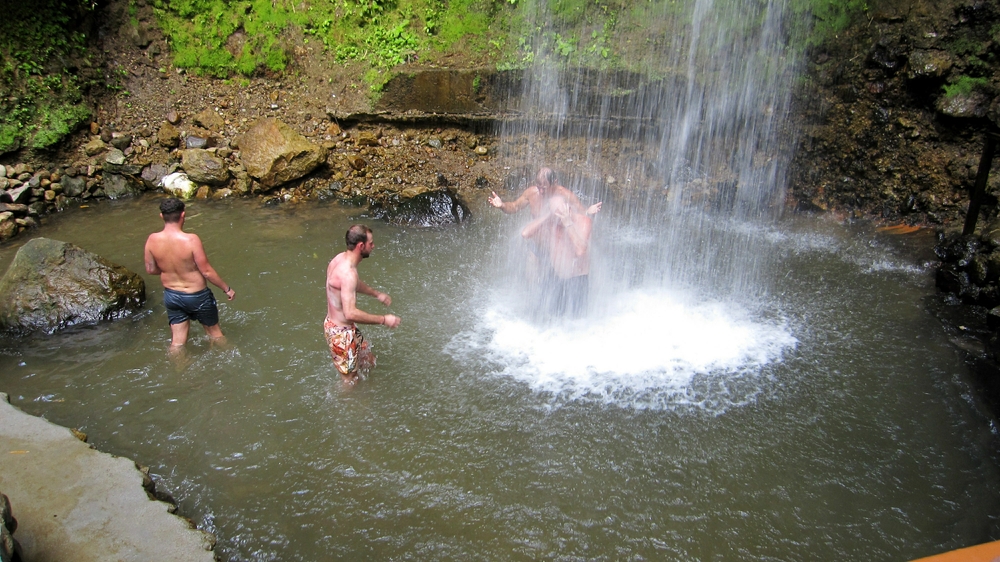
(42, 95)
(829, 17)
(979, 59)
(225, 37)
(964, 86)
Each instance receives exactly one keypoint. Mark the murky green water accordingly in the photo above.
(841, 429)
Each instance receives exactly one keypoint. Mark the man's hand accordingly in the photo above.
(384, 299)
(495, 200)
(391, 320)
(562, 213)
(594, 209)
(231, 293)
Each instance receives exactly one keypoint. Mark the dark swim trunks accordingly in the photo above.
(199, 306)
(566, 297)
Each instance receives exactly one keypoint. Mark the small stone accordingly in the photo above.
(115, 157)
(121, 141)
(357, 162)
(192, 141)
(94, 147)
(172, 117)
(95, 129)
(210, 120)
(482, 150)
(168, 135)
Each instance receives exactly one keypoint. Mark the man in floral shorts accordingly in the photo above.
(350, 352)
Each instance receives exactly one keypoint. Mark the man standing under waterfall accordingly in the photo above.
(562, 235)
(546, 185)
(179, 259)
(350, 352)
(537, 198)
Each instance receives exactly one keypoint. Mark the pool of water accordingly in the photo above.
(830, 418)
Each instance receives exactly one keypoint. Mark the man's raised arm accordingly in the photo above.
(510, 206)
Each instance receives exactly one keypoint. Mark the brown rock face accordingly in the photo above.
(273, 153)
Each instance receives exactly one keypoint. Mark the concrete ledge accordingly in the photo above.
(72, 502)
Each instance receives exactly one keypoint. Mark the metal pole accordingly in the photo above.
(976, 197)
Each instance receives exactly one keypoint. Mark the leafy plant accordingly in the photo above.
(964, 86)
(40, 98)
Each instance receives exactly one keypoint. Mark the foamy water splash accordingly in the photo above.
(647, 352)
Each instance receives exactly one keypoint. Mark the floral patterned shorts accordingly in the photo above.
(348, 348)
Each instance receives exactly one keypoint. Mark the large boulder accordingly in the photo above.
(273, 153)
(52, 285)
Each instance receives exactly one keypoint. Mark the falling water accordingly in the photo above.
(688, 151)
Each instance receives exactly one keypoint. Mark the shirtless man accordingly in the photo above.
(350, 352)
(179, 259)
(536, 198)
(563, 234)
(546, 185)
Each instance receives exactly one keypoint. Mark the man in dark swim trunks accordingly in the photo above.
(179, 259)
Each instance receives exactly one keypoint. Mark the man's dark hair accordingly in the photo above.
(171, 209)
(357, 234)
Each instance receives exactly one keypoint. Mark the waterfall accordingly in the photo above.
(689, 147)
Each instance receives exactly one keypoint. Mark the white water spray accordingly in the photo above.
(689, 154)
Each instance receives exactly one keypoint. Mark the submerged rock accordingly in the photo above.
(421, 206)
(51, 285)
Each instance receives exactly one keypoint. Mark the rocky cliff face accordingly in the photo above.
(897, 107)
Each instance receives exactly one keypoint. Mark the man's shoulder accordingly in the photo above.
(566, 192)
(340, 264)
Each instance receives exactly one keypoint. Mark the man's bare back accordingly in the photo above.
(179, 259)
(174, 257)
